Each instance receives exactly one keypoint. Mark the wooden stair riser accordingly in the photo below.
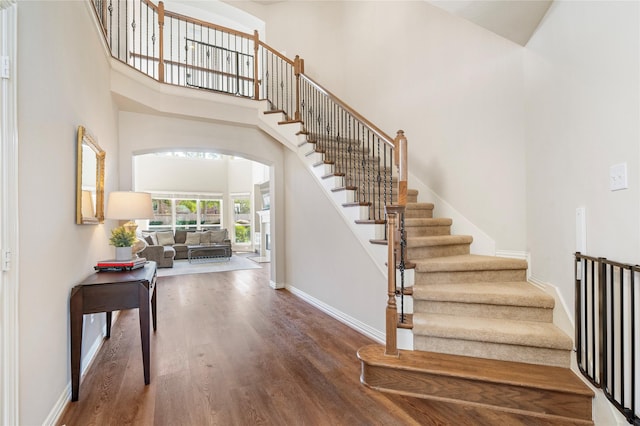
(450, 277)
(428, 252)
(490, 350)
(524, 313)
(559, 407)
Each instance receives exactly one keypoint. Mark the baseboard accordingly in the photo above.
(349, 321)
(562, 317)
(514, 254)
(276, 286)
(85, 363)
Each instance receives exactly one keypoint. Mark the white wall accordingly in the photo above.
(58, 89)
(240, 176)
(324, 260)
(454, 88)
(191, 175)
(172, 174)
(583, 109)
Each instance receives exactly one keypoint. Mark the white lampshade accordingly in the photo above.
(126, 205)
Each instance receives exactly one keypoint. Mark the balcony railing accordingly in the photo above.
(184, 51)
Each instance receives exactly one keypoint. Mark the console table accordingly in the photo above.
(108, 292)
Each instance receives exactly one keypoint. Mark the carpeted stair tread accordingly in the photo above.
(468, 262)
(419, 206)
(501, 331)
(501, 293)
(410, 222)
(438, 240)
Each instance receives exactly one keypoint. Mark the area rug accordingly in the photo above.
(183, 267)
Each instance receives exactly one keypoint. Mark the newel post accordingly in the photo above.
(298, 68)
(400, 143)
(256, 80)
(391, 318)
(161, 42)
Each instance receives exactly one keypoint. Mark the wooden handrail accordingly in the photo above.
(151, 5)
(209, 25)
(379, 133)
(275, 52)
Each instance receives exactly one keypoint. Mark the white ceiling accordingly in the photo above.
(515, 20)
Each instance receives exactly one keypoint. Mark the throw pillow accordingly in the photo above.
(218, 236)
(205, 237)
(193, 238)
(149, 240)
(152, 236)
(165, 238)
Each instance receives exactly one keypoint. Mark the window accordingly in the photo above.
(242, 220)
(162, 214)
(175, 212)
(210, 214)
(186, 214)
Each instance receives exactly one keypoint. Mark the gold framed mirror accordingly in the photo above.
(89, 179)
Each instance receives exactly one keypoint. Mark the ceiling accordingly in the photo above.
(515, 20)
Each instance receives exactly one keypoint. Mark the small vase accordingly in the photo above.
(123, 253)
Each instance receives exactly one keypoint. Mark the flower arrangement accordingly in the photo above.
(120, 237)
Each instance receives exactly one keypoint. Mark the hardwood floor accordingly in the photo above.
(229, 350)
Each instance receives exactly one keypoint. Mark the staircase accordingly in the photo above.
(481, 334)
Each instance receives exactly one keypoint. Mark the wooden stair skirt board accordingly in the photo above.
(543, 394)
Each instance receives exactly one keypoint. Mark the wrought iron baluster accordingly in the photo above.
(402, 266)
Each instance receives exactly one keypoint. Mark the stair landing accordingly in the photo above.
(548, 395)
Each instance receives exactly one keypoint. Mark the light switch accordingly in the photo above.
(618, 177)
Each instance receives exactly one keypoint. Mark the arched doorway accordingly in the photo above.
(199, 190)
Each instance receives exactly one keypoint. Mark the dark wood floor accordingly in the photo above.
(229, 350)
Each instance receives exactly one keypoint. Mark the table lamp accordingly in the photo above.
(129, 206)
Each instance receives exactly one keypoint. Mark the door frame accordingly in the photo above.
(9, 353)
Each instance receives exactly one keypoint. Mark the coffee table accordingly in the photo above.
(208, 253)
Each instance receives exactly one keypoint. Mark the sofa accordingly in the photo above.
(164, 247)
